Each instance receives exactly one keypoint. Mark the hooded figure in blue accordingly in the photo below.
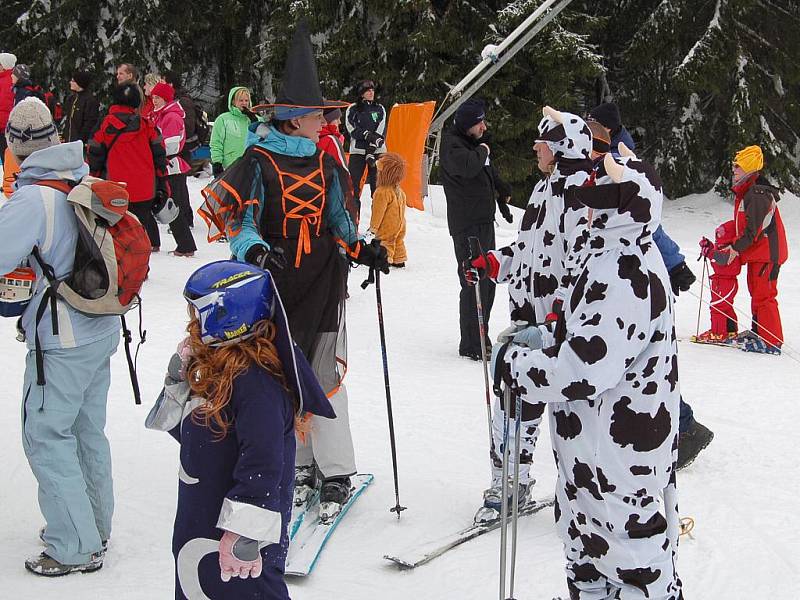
(281, 207)
(231, 397)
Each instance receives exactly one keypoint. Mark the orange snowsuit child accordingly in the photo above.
(388, 221)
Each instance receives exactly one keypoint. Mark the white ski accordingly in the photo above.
(418, 555)
(311, 535)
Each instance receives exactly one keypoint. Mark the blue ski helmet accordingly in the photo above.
(229, 297)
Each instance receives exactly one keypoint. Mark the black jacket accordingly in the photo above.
(470, 185)
(366, 123)
(81, 115)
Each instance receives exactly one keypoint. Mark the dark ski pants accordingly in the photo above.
(180, 226)
(467, 310)
(686, 417)
(144, 212)
(356, 165)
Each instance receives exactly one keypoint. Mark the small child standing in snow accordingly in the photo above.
(726, 264)
(388, 221)
(231, 397)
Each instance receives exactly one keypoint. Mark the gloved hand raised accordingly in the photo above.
(681, 278)
(374, 139)
(372, 255)
(706, 248)
(485, 265)
(263, 256)
(505, 211)
(238, 557)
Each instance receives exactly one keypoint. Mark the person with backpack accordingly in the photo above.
(229, 136)
(128, 148)
(82, 111)
(168, 116)
(64, 416)
(233, 395)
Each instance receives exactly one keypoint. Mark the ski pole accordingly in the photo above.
(376, 274)
(515, 492)
(700, 304)
(475, 251)
(504, 494)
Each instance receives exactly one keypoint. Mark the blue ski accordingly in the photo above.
(311, 535)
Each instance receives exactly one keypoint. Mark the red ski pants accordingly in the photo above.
(723, 315)
(762, 282)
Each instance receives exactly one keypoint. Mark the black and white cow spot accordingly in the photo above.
(629, 269)
(640, 430)
(605, 486)
(672, 376)
(641, 470)
(637, 530)
(548, 238)
(584, 479)
(585, 573)
(658, 296)
(595, 320)
(568, 426)
(594, 546)
(544, 285)
(639, 577)
(589, 351)
(596, 292)
(578, 390)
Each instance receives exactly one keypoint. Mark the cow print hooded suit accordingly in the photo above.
(612, 384)
(533, 266)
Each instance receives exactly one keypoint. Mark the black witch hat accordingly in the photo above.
(300, 91)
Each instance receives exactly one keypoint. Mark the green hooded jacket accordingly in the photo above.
(229, 135)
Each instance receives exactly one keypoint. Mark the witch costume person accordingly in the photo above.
(281, 207)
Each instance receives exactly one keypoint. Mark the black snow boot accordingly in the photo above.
(334, 495)
(692, 442)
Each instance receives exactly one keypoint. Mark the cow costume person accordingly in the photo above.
(281, 206)
(533, 267)
(610, 376)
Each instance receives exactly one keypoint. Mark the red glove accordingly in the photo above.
(706, 248)
(480, 268)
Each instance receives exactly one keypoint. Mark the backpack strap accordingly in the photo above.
(128, 338)
(57, 184)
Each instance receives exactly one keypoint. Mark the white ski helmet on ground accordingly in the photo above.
(165, 210)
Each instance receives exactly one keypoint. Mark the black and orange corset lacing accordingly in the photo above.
(302, 202)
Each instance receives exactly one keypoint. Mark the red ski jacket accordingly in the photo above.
(130, 149)
(760, 236)
(6, 98)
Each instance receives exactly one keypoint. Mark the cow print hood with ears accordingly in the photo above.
(570, 139)
(624, 213)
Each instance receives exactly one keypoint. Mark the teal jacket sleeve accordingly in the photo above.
(249, 235)
(335, 215)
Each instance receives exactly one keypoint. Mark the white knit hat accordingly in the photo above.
(30, 128)
(7, 61)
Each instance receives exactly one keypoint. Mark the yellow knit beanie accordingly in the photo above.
(750, 159)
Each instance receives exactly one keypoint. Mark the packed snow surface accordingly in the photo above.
(742, 491)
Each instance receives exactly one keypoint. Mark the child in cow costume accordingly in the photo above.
(533, 267)
(610, 376)
(281, 206)
(231, 397)
(726, 266)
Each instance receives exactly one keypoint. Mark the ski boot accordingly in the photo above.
(306, 484)
(492, 503)
(333, 496)
(49, 567)
(692, 442)
(709, 337)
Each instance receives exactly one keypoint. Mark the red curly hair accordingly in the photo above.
(212, 369)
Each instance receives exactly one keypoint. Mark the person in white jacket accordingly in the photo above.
(64, 419)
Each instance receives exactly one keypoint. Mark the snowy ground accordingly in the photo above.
(742, 491)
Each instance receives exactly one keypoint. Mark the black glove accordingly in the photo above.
(216, 169)
(373, 139)
(249, 114)
(505, 211)
(681, 278)
(373, 255)
(271, 259)
(163, 190)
